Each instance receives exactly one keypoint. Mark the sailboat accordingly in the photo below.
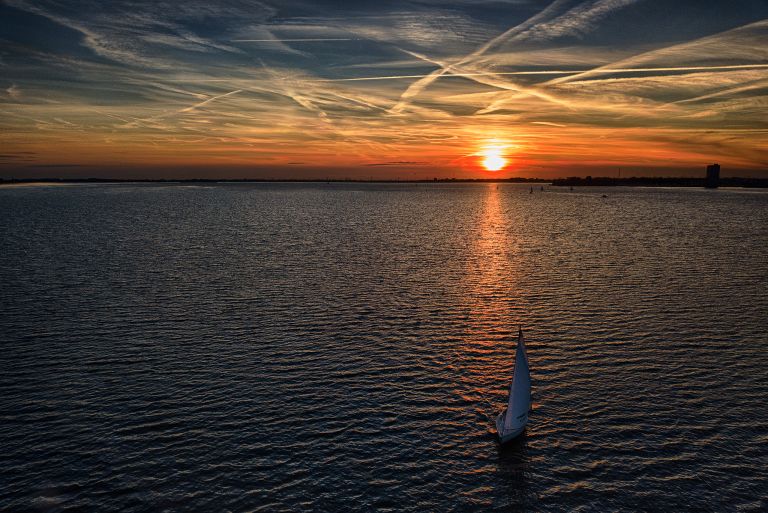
(511, 422)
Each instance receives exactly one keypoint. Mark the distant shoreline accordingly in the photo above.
(265, 180)
(634, 181)
(556, 182)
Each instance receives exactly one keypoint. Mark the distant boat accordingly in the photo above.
(511, 422)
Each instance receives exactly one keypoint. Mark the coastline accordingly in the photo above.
(555, 182)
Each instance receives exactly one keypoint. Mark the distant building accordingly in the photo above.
(713, 176)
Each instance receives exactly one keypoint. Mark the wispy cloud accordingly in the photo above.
(544, 25)
(399, 85)
(13, 92)
(209, 100)
(607, 71)
(294, 40)
(577, 21)
(398, 163)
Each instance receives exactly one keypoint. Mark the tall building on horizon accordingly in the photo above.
(713, 176)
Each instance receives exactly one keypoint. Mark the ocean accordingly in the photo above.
(346, 347)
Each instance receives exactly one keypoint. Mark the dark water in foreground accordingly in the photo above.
(341, 347)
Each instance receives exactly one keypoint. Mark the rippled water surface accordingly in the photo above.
(315, 347)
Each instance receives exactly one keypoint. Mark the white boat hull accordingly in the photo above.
(509, 436)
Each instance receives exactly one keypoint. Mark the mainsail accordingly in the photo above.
(520, 392)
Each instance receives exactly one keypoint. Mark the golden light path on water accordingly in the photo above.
(490, 280)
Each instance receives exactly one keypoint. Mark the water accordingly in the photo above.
(315, 347)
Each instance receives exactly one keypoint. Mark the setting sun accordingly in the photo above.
(494, 162)
(494, 159)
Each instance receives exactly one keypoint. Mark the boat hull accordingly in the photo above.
(510, 435)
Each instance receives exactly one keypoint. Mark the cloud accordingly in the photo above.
(297, 40)
(546, 24)
(545, 72)
(380, 84)
(662, 81)
(548, 123)
(577, 21)
(134, 32)
(13, 92)
(745, 43)
(398, 163)
(209, 100)
(17, 156)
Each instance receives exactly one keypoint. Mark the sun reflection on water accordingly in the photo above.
(487, 352)
(488, 349)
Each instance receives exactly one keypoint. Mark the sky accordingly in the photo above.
(370, 89)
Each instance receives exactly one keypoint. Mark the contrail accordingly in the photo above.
(611, 68)
(209, 100)
(292, 40)
(398, 77)
(548, 123)
(140, 121)
(645, 55)
(597, 9)
(725, 92)
(417, 87)
(558, 72)
(680, 68)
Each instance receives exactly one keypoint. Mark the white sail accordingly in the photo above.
(516, 416)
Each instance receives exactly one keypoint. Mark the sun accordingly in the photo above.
(494, 162)
(492, 154)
